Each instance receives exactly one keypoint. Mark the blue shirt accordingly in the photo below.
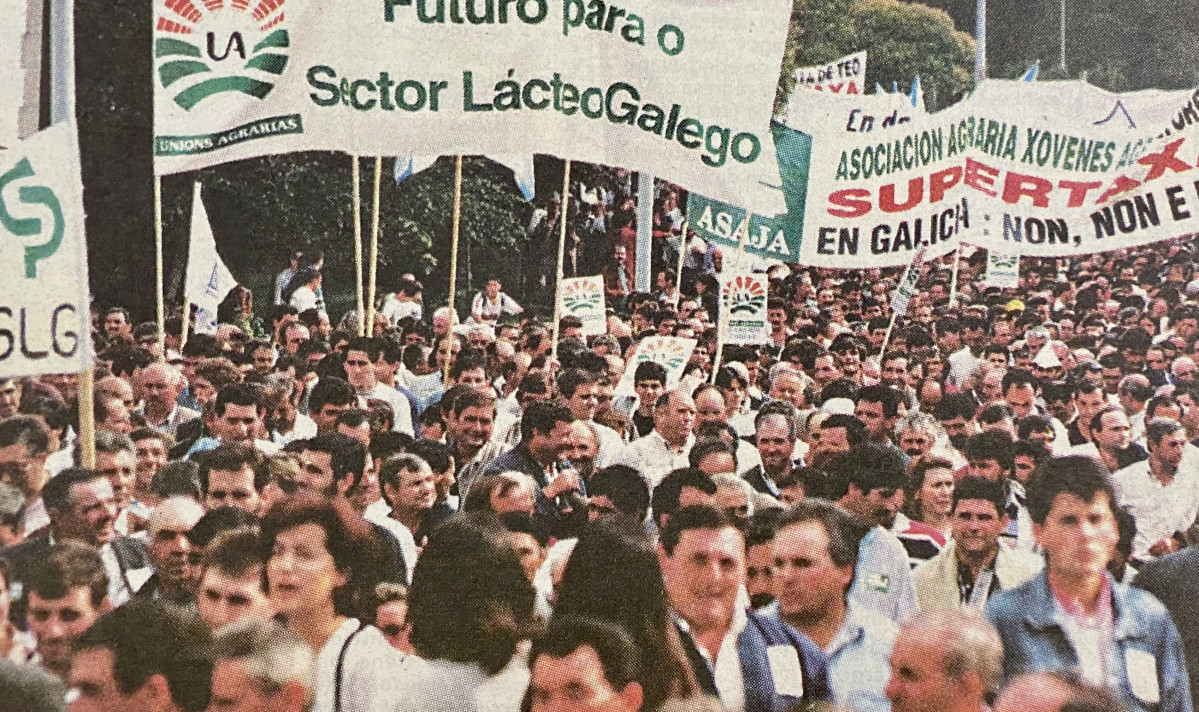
(882, 580)
(1144, 659)
(859, 658)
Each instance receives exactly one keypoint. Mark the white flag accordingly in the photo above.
(522, 168)
(208, 279)
(409, 165)
(521, 165)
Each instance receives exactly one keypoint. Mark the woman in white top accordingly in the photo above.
(322, 564)
(490, 304)
(471, 609)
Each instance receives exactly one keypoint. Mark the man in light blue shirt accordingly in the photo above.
(868, 481)
(815, 555)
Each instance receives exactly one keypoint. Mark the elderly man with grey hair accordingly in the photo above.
(945, 661)
(176, 568)
(281, 399)
(261, 666)
(158, 387)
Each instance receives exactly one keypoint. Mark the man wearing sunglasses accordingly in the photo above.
(974, 566)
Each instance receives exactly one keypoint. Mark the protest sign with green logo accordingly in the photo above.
(1003, 270)
(583, 297)
(743, 299)
(672, 352)
(44, 312)
(582, 80)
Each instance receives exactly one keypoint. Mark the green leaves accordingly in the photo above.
(904, 40)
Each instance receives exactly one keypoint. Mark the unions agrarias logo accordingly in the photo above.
(219, 46)
(581, 297)
(744, 294)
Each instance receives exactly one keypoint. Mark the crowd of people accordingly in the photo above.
(988, 506)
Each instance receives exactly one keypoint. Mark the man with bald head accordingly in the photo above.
(158, 386)
(1054, 692)
(176, 567)
(946, 661)
(667, 447)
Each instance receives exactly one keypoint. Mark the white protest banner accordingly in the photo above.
(20, 57)
(208, 279)
(44, 312)
(846, 75)
(672, 352)
(1148, 110)
(1025, 177)
(1003, 270)
(583, 297)
(650, 85)
(743, 299)
(907, 286)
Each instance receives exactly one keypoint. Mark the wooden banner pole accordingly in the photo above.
(159, 298)
(374, 256)
(356, 192)
(564, 217)
(457, 224)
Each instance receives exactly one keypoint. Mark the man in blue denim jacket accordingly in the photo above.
(1072, 616)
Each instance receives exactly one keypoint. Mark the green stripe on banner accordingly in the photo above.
(165, 47)
(776, 238)
(278, 38)
(246, 85)
(172, 72)
(272, 63)
(203, 143)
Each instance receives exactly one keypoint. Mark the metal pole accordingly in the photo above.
(62, 108)
(645, 227)
(980, 36)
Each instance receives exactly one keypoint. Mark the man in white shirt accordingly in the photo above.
(284, 277)
(667, 447)
(580, 389)
(1162, 496)
(360, 371)
(749, 661)
(404, 303)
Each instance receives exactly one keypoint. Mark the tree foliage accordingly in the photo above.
(264, 208)
(905, 40)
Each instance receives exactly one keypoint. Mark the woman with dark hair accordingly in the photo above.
(301, 290)
(614, 555)
(470, 607)
(322, 564)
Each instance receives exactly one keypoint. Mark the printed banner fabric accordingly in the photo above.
(672, 352)
(682, 89)
(1018, 167)
(1003, 270)
(44, 320)
(584, 297)
(846, 75)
